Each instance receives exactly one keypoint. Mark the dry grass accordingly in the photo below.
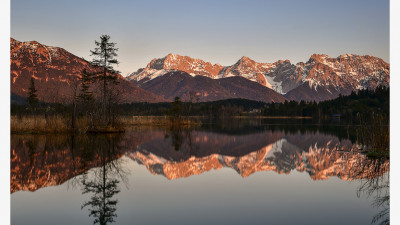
(155, 121)
(59, 124)
(144, 120)
(271, 117)
(49, 124)
(39, 124)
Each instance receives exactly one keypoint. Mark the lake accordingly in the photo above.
(228, 173)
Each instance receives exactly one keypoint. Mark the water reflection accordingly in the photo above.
(179, 136)
(102, 183)
(93, 162)
(39, 161)
(200, 151)
(377, 188)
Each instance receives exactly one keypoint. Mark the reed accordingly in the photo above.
(48, 124)
(60, 124)
(374, 135)
(156, 121)
(39, 124)
(144, 120)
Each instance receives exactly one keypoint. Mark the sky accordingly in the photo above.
(216, 31)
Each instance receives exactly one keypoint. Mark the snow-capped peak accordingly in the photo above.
(281, 76)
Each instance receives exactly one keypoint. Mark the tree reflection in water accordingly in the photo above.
(179, 136)
(102, 182)
(375, 184)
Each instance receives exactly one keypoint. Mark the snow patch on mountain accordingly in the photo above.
(276, 148)
(274, 85)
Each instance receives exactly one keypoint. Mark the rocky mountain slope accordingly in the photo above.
(56, 73)
(325, 78)
(203, 88)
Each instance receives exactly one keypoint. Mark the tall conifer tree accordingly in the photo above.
(86, 96)
(32, 96)
(104, 56)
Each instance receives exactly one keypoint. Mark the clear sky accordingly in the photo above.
(217, 31)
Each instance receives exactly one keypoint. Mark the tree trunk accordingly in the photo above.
(73, 115)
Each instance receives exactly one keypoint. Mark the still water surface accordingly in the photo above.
(253, 174)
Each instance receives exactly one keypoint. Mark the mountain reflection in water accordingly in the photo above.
(38, 161)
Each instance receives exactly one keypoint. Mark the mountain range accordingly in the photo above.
(57, 72)
(320, 78)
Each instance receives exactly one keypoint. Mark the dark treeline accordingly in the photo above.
(221, 108)
(365, 102)
(216, 109)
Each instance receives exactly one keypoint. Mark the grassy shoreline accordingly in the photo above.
(40, 124)
(272, 117)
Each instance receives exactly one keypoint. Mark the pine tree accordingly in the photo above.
(32, 96)
(177, 108)
(104, 56)
(86, 96)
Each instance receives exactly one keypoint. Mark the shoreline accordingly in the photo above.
(272, 117)
(62, 125)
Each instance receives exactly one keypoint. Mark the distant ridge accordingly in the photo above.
(203, 89)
